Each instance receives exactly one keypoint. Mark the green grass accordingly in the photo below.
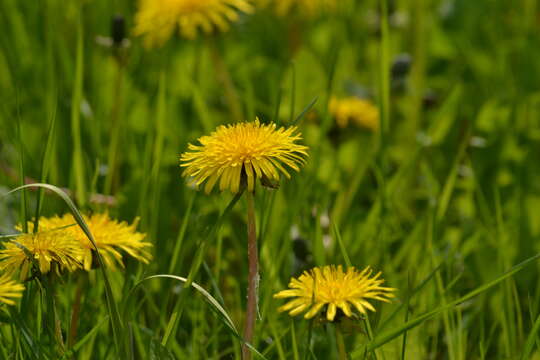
(444, 199)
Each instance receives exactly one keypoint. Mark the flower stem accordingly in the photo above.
(53, 320)
(253, 278)
(340, 343)
(76, 310)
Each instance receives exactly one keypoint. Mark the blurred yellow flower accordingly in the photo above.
(9, 290)
(47, 249)
(303, 7)
(110, 236)
(331, 286)
(356, 110)
(157, 20)
(239, 154)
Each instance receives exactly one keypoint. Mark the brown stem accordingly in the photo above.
(253, 279)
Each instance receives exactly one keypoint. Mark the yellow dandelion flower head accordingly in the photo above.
(306, 8)
(337, 289)
(47, 249)
(241, 153)
(355, 110)
(111, 237)
(9, 290)
(157, 20)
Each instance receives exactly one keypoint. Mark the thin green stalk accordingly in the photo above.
(45, 165)
(78, 165)
(75, 312)
(116, 124)
(370, 334)
(384, 73)
(417, 77)
(39, 319)
(23, 209)
(52, 318)
(294, 342)
(340, 343)
(308, 339)
(277, 340)
(293, 91)
(531, 339)
(407, 300)
(384, 105)
(159, 143)
(224, 76)
(253, 278)
(172, 325)
(181, 235)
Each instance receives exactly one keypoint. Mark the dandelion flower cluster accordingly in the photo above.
(53, 249)
(249, 151)
(110, 236)
(354, 110)
(157, 20)
(9, 290)
(332, 287)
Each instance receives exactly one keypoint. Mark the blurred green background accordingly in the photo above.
(443, 199)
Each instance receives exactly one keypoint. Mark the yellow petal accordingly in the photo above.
(331, 312)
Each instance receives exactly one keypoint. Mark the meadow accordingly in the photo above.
(417, 153)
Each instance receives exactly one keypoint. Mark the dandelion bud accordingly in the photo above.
(401, 65)
(118, 29)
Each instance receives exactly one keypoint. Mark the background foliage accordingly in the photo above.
(444, 199)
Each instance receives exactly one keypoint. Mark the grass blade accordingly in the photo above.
(181, 234)
(306, 109)
(215, 305)
(195, 265)
(45, 164)
(342, 246)
(78, 165)
(23, 209)
(531, 340)
(293, 90)
(392, 334)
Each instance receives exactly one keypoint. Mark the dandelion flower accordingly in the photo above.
(157, 20)
(110, 236)
(304, 7)
(356, 110)
(9, 290)
(241, 153)
(47, 249)
(331, 286)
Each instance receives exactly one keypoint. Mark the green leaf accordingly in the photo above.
(306, 109)
(215, 305)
